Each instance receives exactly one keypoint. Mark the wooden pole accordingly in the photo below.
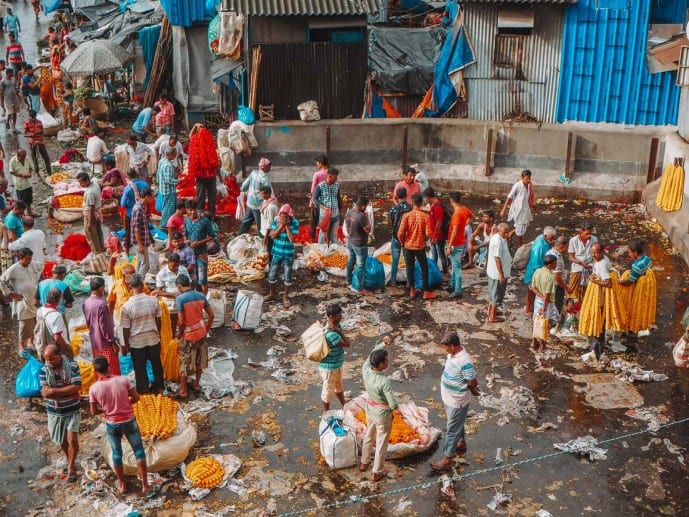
(568, 156)
(488, 170)
(405, 147)
(327, 142)
(652, 160)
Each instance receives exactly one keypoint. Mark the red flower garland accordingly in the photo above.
(203, 155)
(75, 247)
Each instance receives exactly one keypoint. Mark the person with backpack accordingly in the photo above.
(50, 326)
(439, 226)
(396, 213)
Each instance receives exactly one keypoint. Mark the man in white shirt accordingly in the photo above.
(139, 156)
(166, 286)
(32, 238)
(599, 279)
(498, 267)
(166, 142)
(96, 148)
(579, 252)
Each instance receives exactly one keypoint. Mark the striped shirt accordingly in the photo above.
(15, 53)
(139, 315)
(67, 405)
(334, 359)
(414, 228)
(140, 224)
(197, 231)
(328, 196)
(191, 304)
(639, 267)
(167, 183)
(454, 384)
(282, 247)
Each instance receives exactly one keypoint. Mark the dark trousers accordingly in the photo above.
(410, 257)
(438, 250)
(251, 216)
(315, 214)
(139, 358)
(205, 188)
(35, 150)
(559, 299)
(127, 233)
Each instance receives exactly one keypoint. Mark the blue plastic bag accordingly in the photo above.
(159, 202)
(374, 275)
(127, 366)
(434, 276)
(245, 115)
(28, 383)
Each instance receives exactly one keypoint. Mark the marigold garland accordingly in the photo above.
(401, 431)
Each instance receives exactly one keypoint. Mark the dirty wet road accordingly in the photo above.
(641, 475)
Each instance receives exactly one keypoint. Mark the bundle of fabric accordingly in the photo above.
(642, 312)
(671, 192)
(591, 314)
(617, 302)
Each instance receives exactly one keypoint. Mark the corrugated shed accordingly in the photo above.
(305, 7)
(604, 73)
(186, 12)
(491, 93)
(507, 2)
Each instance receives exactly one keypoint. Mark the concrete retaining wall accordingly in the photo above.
(607, 163)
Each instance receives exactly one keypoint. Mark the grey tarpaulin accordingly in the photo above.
(191, 61)
(403, 60)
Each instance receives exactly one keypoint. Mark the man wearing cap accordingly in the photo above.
(457, 385)
(409, 184)
(252, 186)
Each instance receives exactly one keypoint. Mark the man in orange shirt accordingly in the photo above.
(456, 242)
(414, 229)
(439, 229)
(164, 120)
(409, 184)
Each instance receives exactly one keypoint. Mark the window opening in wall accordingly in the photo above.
(508, 57)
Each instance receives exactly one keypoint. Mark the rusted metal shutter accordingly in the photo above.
(332, 74)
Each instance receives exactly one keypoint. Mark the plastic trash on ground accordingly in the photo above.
(583, 446)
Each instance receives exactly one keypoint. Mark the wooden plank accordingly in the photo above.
(488, 170)
(405, 147)
(652, 160)
(568, 156)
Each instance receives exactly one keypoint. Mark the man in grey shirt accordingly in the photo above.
(9, 100)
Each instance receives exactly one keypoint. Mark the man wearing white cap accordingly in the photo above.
(252, 186)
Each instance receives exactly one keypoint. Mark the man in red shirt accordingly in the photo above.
(33, 130)
(14, 54)
(414, 229)
(456, 243)
(409, 184)
(113, 396)
(438, 231)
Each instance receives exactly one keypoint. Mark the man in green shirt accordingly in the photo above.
(543, 286)
(381, 403)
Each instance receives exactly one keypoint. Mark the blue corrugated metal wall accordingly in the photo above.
(604, 77)
(186, 12)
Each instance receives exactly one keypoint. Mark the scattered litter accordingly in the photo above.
(499, 499)
(617, 346)
(202, 512)
(513, 402)
(545, 426)
(583, 446)
(284, 375)
(631, 372)
(490, 379)
(200, 406)
(322, 276)
(549, 354)
(282, 330)
(448, 487)
(498, 456)
(258, 437)
(403, 504)
(543, 513)
(606, 391)
(216, 380)
(653, 416)
(230, 463)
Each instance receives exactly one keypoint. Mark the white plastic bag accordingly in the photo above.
(216, 299)
(248, 308)
(680, 353)
(244, 247)
(308, 111)
(339, 450)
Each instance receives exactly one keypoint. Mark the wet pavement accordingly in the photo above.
(640, 476)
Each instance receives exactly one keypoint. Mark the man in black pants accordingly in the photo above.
(415, 228)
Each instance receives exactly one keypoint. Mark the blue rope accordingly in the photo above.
(354, 499)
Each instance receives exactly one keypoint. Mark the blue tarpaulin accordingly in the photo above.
(148, 39)
(51, 5)
(455, 55)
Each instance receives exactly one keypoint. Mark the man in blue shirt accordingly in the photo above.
(57, 282)
(13, 220)
(12, 25)
(128, 200)
(284, 229)
(143, 124)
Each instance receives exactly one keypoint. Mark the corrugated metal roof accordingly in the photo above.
(492, 96)
(604, 77)
(518, 1)
(304, 7)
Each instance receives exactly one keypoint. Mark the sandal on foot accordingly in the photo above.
(363, 467)
(379, 476)
(72, 477)
(436, 467)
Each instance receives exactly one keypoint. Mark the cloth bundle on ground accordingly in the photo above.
(415, 416)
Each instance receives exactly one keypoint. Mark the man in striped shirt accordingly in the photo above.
(457, 385)
(328, 197)
(642, 263)
(330, 366)
(60, 383)
(283, 230)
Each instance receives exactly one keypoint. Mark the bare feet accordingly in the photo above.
(363, 467)
(268, 298)
(442, 465)
(286, 303)
(122, 487)
(412, 293)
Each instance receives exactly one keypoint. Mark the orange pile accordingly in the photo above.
(71, 201)
(337, 260)
(401, 431)
(386, 258)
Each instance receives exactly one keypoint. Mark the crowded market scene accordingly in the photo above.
(227, 290)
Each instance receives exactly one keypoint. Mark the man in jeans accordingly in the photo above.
(457, 385)
(396, 213)
(498, 268)
(284, 229)
(140, 321)
(456, 243)
(113, 396)
(141, 232)
(438, 231)
(380, 405)
(414, 229)
(358, 227)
